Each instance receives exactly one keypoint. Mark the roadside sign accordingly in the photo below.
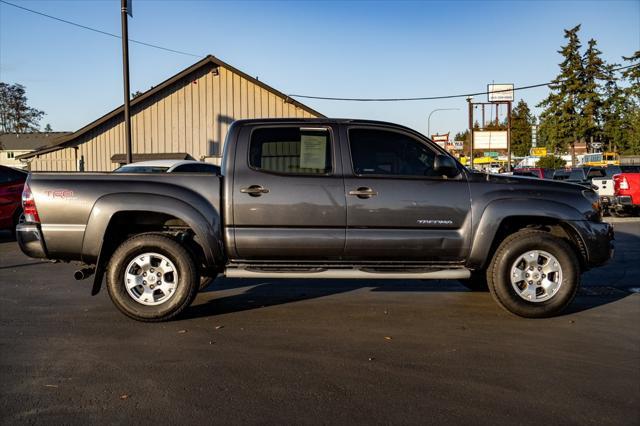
(489, 139)
(500, 92)
(534, 135)
(539, 152)
(492, 154)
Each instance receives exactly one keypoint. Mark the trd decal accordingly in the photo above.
(60, 194)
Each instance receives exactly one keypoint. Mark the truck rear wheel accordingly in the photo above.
(152, 277)
(534, 274)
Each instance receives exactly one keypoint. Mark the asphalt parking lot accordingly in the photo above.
(278, 351)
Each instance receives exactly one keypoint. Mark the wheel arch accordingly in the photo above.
(505, 217)
(114, 217)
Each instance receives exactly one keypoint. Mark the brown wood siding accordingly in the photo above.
(192, 116)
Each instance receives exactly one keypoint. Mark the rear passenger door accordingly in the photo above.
(398, 208)
(288, 194)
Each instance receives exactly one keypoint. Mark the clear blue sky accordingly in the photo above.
(332, 48)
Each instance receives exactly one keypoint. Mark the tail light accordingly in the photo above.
(29, 205)
(620, 182)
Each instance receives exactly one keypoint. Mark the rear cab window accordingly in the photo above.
(291, 150)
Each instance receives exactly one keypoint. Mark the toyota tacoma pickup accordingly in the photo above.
(318, 198)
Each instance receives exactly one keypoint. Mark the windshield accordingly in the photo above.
(141, 169)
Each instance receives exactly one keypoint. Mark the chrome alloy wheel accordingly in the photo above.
(536, 276)
(151, 279)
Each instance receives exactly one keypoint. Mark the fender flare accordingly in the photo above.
(499, 210)
(205, 223)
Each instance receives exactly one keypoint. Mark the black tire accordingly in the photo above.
(498, 274)
(186, 287)
(477, 281)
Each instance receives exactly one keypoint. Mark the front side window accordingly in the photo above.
(383, 152)
(291, 150)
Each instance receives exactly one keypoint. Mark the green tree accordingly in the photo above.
(521, 122)
(594, 71)
(561, 123)
(16, 116)
(48, 128)
(551, 162)
(632, 75)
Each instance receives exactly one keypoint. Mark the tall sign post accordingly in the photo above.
(126, 10)
(503, 94)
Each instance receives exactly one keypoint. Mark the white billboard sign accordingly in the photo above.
(500, 92)
(489, 139)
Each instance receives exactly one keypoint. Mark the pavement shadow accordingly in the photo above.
(264, 293)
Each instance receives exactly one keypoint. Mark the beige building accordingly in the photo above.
(14, 145)
(186, 116)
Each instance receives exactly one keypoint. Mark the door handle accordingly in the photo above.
(254, 190)
(363, 192)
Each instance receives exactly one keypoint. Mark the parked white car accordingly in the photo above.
(169, 166)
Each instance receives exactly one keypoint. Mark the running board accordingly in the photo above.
(441, 274)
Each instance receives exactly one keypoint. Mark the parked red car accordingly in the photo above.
(626, 187)
(11, 183)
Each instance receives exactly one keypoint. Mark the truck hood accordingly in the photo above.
(524, 181)
(490, 187)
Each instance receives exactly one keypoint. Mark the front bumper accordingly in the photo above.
(30, 240)
(598, 240)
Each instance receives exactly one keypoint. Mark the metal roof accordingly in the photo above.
(29, 141)
(210, 59)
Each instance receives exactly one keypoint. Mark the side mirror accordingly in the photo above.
(445, 165)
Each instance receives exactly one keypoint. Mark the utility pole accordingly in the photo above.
(126, 10)
(469, 99)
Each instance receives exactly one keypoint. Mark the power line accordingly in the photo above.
(95, 30)
(429, 98)
(327, 98)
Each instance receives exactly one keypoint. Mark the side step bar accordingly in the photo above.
(441, 274)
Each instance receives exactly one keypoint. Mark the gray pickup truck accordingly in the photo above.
(318, 198)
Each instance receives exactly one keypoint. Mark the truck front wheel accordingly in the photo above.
(152, 277)
(534, 274)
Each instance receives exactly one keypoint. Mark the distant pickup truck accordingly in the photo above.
(318, 198)
(626, 193)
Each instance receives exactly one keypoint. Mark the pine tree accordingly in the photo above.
(521, 122)
(593, 72)
(631, 113)
(561, 123)
(632, 75)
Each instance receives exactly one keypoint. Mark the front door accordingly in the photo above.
(398, 208)
(288, 194)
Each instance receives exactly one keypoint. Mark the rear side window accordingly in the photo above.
(291, 150)
(383, 152)
(596, 173)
